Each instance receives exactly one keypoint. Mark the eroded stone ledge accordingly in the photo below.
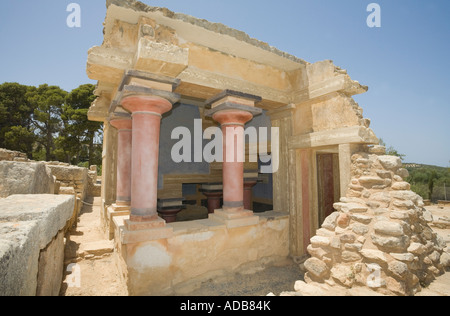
(28, 225)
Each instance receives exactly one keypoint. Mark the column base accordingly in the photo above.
(214, 198)
(133, 225)
(121, 207)
(138, 232)
(170, 215)
(235, 219)
(127, 236)
(113, 211)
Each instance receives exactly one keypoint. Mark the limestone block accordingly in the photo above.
(67, 191)
(69, 173)
(374, 255)
(403, 173)
(25, 178)
(389, 228)
(350, 207)
(350, 256)
(363, 219)
(406, 257)
(360, 229)
(347, 238)
(343, 220)
(319, 241)
(370, 181)
(316, 268)
(343, 274)
(28, 224)
(9, 155)
(169, 60)
(316, 252)
(330, 221)
(401, 186)
(445, 260)
(390, 162)
(378, 150)
(51, 266)
(417, 249)
(391, 243)
(396, 287)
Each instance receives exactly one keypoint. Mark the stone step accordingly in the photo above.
(96, 248)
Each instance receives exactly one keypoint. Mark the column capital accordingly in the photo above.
(146, 103)
(144, 84)
(232, 107)
(121, 123)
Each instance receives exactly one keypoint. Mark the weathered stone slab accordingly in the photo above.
(25, 178)
(28, 224)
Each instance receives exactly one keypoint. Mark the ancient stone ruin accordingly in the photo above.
(379, 236)
(39, 203)
(330, 192)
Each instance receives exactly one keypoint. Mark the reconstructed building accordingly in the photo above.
(158, 70)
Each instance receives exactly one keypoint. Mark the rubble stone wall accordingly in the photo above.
(379, 237)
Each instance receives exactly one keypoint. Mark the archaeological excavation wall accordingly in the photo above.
(39, 203)
(32, 229)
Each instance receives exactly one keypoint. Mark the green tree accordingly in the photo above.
(16, 128)
(47, 101)
(82, 136)
(433, 176)
(19, 138)
(391, 150)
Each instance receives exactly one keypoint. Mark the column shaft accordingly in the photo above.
(233, 157)
(124, 135)
(146, 114)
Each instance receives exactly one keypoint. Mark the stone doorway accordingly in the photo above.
(328, 183)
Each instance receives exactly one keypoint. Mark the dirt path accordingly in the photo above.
(88, 255)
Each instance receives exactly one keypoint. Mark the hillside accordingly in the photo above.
(430, 182)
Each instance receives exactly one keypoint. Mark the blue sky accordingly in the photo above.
(405, 63)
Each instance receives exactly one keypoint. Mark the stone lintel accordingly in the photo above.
(233, 106)
(347, 135)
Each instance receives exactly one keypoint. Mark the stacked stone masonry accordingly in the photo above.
(380, 236)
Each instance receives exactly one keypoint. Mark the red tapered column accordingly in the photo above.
(124, 127)
(146, 112)
(233, 109)
(233, 122)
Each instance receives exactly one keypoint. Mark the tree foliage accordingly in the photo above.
(48, 123)
(16, 111)
(391, 150)
(430, 182)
